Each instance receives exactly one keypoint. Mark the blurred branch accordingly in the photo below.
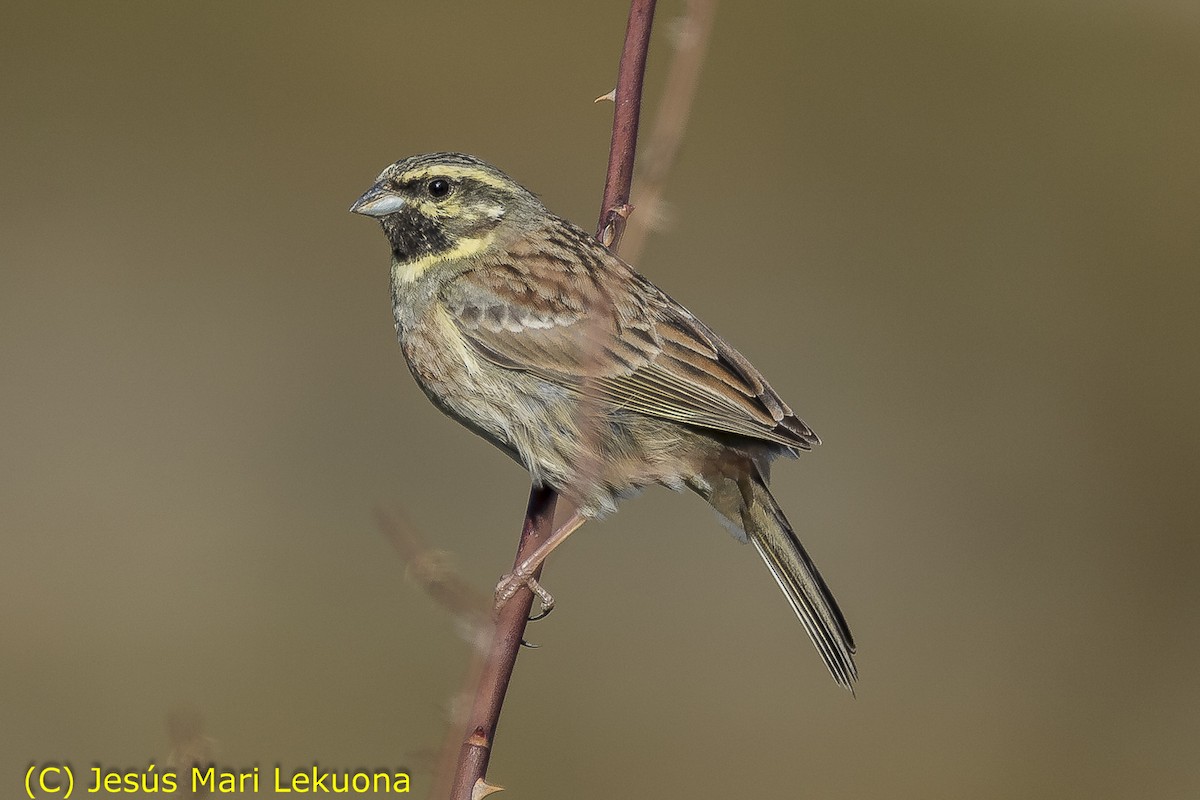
(691, 33)
(431, 569)
(190, 747)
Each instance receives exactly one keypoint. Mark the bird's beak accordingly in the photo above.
(378, 202)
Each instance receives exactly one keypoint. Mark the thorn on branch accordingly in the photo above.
(482, 789)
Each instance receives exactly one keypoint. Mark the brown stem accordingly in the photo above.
(627, 109)
(539, 516)
(502, 655)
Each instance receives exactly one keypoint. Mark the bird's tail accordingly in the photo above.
(749, 507)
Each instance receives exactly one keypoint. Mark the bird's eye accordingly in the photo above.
(438, 187)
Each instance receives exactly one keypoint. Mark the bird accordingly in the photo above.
(521, 326)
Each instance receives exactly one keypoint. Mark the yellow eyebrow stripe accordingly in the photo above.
(454, 171)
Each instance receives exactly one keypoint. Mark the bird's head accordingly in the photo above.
(445, 207)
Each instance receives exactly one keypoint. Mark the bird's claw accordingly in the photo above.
(512, 583)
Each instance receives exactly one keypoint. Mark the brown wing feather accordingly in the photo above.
(620, 339)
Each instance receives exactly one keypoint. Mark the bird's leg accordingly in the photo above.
(522, 575)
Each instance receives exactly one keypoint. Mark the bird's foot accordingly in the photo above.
(513, 582)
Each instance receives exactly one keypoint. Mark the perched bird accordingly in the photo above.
(524, 328)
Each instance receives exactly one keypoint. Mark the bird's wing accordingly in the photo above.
(614, 336)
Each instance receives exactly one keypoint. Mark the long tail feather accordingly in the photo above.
(765, 525)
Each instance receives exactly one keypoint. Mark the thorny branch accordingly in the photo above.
(501, 655)
(627, 109)
(539, 521)
(476, 751)
(493, 662)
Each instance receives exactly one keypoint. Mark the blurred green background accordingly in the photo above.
(961, 239)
